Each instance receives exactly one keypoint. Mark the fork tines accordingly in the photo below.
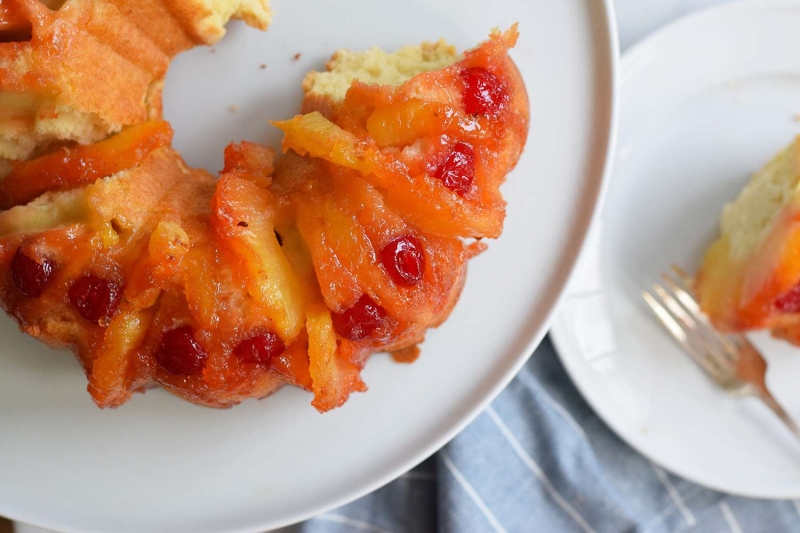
(678, 311)
(729, 359)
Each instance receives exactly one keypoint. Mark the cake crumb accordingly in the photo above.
(212, 50)
(263, 66)
(297, 56)
(233, 108)
(797, 117)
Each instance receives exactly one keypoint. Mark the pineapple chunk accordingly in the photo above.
(316, 135)
(250, 161)
(403, 123)
(71, 167)
(109, 381)
(333, 377)
(168, 243)
(243, 215)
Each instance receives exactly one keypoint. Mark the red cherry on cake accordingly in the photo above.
(260, 349)
(96, 299)
(404, 260)
(361, 320)
(789, 302)
(180, 354)
(483, 93)
(30, 276)
(458, 170)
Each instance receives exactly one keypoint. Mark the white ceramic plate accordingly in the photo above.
(160, 464)
(705, 103)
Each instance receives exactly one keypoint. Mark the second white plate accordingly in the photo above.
(705, 103)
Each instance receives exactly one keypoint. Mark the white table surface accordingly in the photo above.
(635, 18)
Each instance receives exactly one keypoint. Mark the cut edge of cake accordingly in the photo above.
(747, 220)
(325, 89)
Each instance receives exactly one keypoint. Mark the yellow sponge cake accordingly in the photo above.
(750, 275)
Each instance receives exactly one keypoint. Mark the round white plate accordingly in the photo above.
(160, 464)
(705, 103)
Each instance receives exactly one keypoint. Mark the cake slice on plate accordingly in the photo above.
(750, 278)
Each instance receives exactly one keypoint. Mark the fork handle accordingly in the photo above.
(773, 404)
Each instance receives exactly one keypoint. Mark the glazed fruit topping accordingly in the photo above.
(180, 354)
(30, 276)
(789, 302)
(260, 349)
(404, 260)
(96, 299)
(70, 167)
(458, 170)
(484, 93)
(361, 320)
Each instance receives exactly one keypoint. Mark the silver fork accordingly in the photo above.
(727, 358)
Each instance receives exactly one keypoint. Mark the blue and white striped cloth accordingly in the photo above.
(538, 459)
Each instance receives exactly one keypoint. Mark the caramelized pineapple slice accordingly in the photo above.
(333, 376)
(353, 236)
(71, 167)
(250, 161)
(424, 200)
(243, 216)
(112, 370)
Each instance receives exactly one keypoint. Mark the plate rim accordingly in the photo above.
(630, 61)
(604, 30)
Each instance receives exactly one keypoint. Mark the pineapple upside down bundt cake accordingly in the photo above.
(750, 278)
(280, 271)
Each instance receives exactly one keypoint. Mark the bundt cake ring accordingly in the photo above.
(280, 271)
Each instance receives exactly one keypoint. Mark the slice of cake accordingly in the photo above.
(750, 278)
